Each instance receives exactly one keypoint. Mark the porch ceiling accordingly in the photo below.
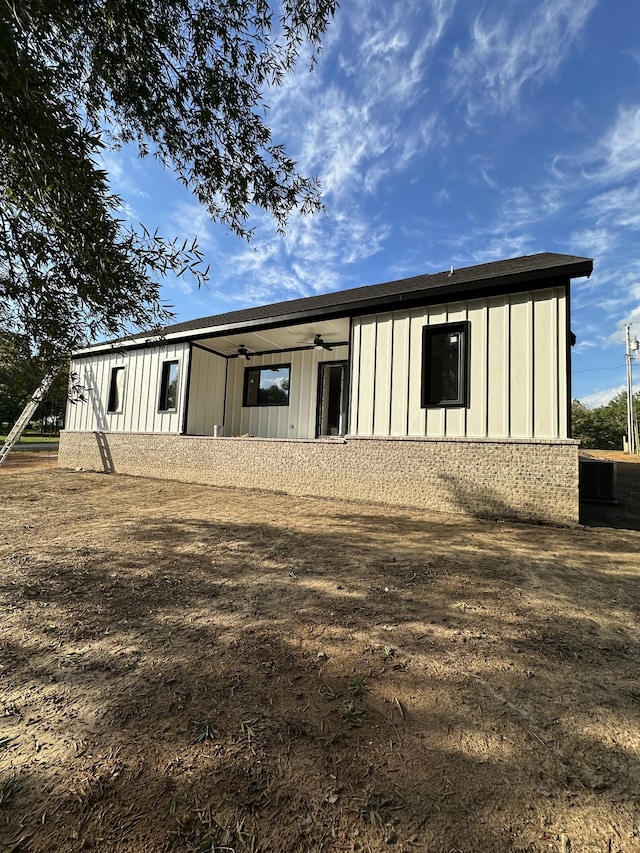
(285, 338)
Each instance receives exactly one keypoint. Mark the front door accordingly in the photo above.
(332, 398)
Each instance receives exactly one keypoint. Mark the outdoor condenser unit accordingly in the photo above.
(597, 480)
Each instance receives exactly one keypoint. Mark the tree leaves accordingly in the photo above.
(604, 427)
(184, 80)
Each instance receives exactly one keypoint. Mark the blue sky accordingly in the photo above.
(444, 132)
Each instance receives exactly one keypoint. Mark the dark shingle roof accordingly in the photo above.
(515, 273)
(525, 268)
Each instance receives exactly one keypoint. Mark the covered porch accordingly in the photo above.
(286, 382)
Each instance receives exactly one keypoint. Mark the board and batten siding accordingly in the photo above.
(518, 370)
(298, 419)
(207, 386)
(142, 377)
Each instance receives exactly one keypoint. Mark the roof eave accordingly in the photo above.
(579, 268)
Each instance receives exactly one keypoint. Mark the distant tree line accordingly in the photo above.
(20, 375)
(604, 427)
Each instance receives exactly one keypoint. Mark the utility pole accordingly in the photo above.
(631, 352)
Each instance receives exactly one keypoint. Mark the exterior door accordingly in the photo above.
(332, 398)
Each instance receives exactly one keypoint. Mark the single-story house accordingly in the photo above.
(449, 391)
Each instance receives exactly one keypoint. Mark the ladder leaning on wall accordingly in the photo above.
(27, 413)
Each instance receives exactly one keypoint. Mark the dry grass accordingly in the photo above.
(193, 669)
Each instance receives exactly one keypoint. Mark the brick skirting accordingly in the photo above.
(531, 480)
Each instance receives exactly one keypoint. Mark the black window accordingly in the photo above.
(116, 390)
(169, 387)
(267, 386)
(445, 365)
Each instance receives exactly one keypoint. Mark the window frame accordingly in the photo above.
(113, 389)
(429, 332)
(245, 389)
(165, 384)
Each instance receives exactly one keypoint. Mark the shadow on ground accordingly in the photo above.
(193, 669)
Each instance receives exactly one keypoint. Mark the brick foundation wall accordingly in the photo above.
(525, 479)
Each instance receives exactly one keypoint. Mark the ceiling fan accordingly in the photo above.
(317, 343)
(244, 353)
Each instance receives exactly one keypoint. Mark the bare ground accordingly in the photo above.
(185, 668)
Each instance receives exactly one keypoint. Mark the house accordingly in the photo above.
(449, 391)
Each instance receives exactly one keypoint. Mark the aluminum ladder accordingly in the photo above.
(27, 413)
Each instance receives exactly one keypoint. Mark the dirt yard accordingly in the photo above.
(185, 668)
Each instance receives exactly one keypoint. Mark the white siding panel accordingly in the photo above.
(517, 370)
(147, 377)
(142, 382)
(75, 417)
(97, 392)
(416, 416)
(563, 344)
(354, 380)
(498, 396)
(545, 359)
(304, 392)
(90, 382)
(367, 374)
(232, 412)
(399, 402)
(382, 392)
(518, 379)
(476, 420)
(521, 363)
(134, 392)
(206, 392)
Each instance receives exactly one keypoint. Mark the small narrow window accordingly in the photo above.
(116, 390)
(267, 386)
(169, 387)
(445, 368)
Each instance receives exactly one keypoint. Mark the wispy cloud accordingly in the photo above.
(343, 140)
(599, 187)
(595, 186)
(612, 160)
(595, 242)
(522, 45)
(619, 207)
(310, 258)
(354, 138)
(619, 149)
(504, 246)
(189, 220)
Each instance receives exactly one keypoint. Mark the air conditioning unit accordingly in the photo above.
(597, 480)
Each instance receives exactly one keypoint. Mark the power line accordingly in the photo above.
(593, 369)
